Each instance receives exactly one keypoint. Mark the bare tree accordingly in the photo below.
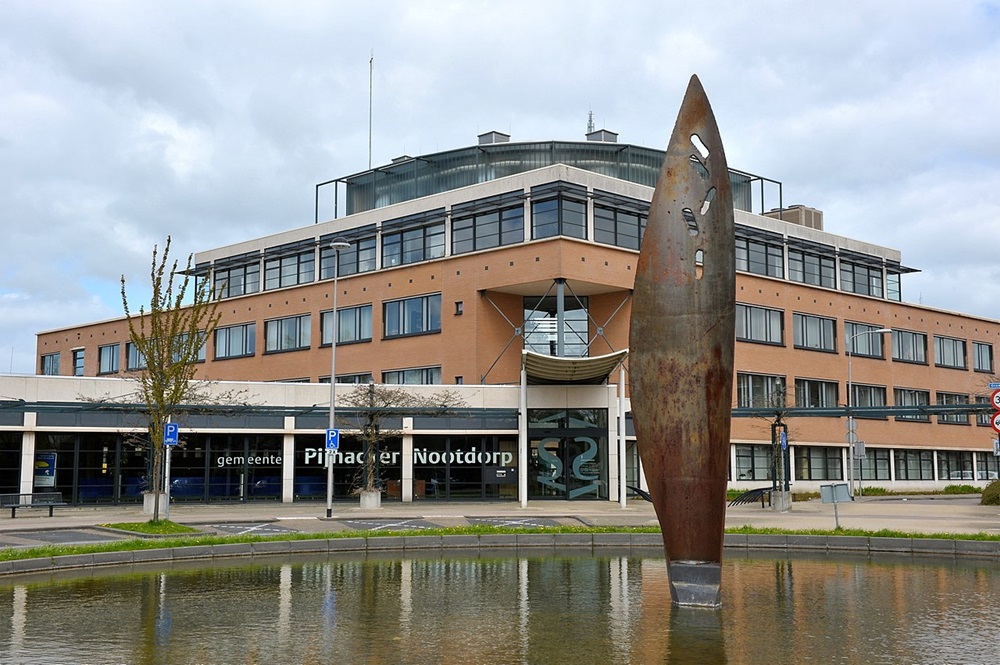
(167, 340)
(374, 403)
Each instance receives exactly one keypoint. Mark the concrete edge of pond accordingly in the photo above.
(487, 542)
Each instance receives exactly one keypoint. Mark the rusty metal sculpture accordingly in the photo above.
(681, 350)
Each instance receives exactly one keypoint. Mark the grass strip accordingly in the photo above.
(129, 544)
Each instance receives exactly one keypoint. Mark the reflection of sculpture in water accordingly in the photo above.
(681, 350)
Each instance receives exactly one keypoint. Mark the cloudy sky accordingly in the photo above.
(124, 121)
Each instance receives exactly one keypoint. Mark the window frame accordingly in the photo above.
(249, 275)
(425, 373)
(911, 397)
(909, 342)
(745, 324)
(749, 384)
(858, 335)
(805, 387)
(50, 364)
(945, 398)
(429, 319)
(109, 358)
(361, 326)
(982, 357)
(826, 330)
(941, 351)
(247, 338)
(400, 248)
(289, 270)
(302, 333)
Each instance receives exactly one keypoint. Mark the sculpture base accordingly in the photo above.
(695, 583)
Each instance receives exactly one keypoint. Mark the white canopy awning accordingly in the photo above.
(544, 369)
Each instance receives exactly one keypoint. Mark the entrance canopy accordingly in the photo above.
(542, 369)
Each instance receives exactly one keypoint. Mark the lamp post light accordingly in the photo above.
(852, 437)
(336, 246)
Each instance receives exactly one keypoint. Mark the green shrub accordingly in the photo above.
(961, 489)
(991, 494)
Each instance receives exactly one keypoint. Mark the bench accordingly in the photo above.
(31, 500)
(751, 496)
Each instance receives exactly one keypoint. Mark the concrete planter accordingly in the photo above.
(371, 499)
(149, 503)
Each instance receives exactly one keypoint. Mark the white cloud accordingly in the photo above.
(123, 122)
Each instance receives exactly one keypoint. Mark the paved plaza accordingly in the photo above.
(927, 514)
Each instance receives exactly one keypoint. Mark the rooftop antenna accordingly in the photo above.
(590, 122)
(371, 70)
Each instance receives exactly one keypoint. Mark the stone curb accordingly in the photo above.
(511, 542)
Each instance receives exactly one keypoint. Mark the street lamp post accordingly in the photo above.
(336, 245)
(852, 438)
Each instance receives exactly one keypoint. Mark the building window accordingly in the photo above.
(355, 325)
(760, 256)
(760, 390)
(914, 465)
(361, 378)
(875, 464)
(134, 358)
(359, 257)
(50, 364)
(484, 230)
(78, 357)
(987, 466)
(910, 347)
(563, 214)
(237, 280)
(288, 334)
(815, 394)
(811, 268)
(982, 357)
(541, 326)
(413, 245)
(954, 465)
(814, 332)
(418, 376)
(864, 395)
(236, 341)
(282, 271)
(621, 228)
(860, 339)
(912, 398)
(984, 419)
(182, 341)
(759, 324)
(753, 462)
(892, 287)
(108, 358)
(862, 279)
(412, 316)
(949, 352)
(951, 399)
(818, 463)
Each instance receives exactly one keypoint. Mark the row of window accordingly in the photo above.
(557, 209)
(767, 390)
(753, 462)
(818, 333)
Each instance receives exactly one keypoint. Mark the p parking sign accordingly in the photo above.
(332, 439)
(171, 434)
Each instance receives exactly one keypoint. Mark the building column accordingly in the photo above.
(406, 476)
(27, 474)
(522, 439)
(288, 461)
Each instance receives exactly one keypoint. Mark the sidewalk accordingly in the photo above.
(937, 514)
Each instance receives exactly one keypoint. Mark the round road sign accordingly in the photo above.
(995, 399)
(995, 421)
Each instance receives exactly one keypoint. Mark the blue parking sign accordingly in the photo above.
(171, 432)
(332, 439)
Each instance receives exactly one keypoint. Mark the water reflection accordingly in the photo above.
(553, 607)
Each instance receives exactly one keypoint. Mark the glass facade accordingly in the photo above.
(567, 453)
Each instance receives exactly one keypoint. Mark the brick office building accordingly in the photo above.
(459, 262)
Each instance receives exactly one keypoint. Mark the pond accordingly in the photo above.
(556, 606)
